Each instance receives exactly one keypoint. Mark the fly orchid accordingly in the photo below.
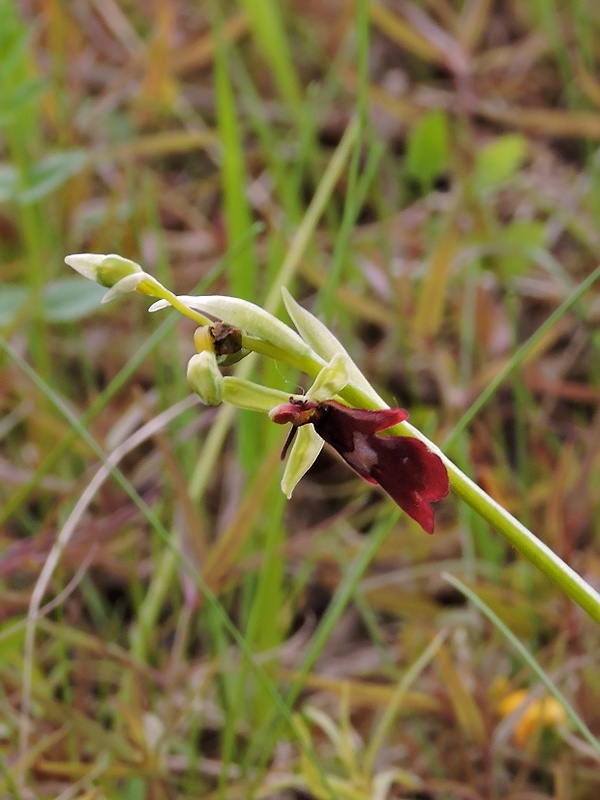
(412, 474)
(410, 470)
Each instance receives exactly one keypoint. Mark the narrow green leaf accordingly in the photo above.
(268, 30)
(238, 219)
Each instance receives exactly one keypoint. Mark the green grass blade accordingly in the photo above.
(268, 30)
(528, 659)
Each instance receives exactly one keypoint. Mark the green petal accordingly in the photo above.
(330, 380)
(306, 447)
(324, 343)
(114, 268)
(127, 284)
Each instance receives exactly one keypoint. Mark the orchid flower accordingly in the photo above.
(410, 468)
(412, 474)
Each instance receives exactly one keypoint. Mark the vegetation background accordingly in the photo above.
(172, 627)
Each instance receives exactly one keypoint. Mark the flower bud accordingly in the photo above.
(205, 378)
(107, 270)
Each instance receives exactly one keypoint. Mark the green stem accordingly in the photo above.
(542, 556)
(539, 554)
(153, 288)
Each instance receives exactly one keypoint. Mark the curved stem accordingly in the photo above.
(514, 531)
(534, 550)
(153, 288)
(544, 558)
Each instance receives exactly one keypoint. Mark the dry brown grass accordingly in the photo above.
(137, 689)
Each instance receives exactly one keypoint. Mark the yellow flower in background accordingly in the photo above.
(542, 713)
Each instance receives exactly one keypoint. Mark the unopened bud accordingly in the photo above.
(205, 378)
(104, 269)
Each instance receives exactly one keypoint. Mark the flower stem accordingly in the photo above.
(153, 288)
(534, 550)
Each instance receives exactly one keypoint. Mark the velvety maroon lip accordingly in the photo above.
(412, 474)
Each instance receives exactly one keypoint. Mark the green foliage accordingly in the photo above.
(64, 300)
(199, 635)
(521, 238)
(19, 89)
(134, 789)
(69, 299)
(499, 161)
(12, 299)
(41, 178)
(48, 174)
(269, 31)
(428, 149)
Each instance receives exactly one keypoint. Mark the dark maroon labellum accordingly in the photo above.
(404, 467)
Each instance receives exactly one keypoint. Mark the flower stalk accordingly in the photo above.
(339, 384)
(517, 534)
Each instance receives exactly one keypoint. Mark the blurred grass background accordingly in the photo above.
(199, 139)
